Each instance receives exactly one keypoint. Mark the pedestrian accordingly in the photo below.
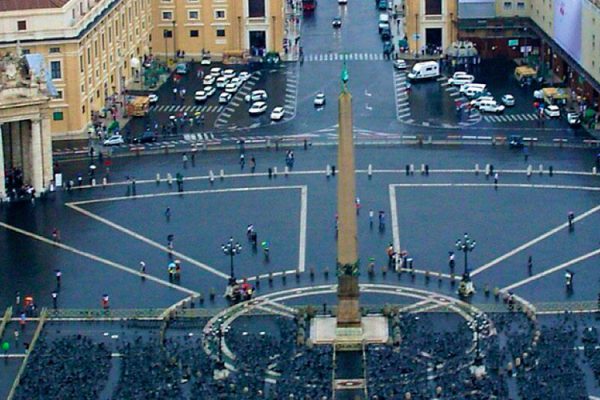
(249, 230)
(242, 160)
(184, 158)
(174, 94)
(571, 219)
(17, 298)
(252, 164)
(58, 275)
(265, 248)
(451, 260)
(22, 320)
(142, 267)
(55, 235)
(193, 159)
(381, 219)
(569, 279)
(496, 180)
(105, 303)
(390, 253)
(357, 205)
(168, 213)
(54, 299)
(16, 335)
(529, 264)
(371, 214)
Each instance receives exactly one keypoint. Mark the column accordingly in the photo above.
(35, 152)
(48, 170)
(2, 183)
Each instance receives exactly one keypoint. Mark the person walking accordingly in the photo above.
(168, 213)
(105, 303)
(142, 267)
(242, 161)
(184, 159)
(451, 260)
(55, 235)
(252, 164)
(371, 215)
(58, 275)
(529, 264)
(17, 298)
(54, 299)
(571, 220)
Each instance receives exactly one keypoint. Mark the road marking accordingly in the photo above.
(96, 258)
(533, 241)
(303, 220)
(394, 217)
(553, 269)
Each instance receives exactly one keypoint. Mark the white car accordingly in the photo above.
(258, 108)
(552, 111)
(492, 107)
(342, 2)
(153, 98)
(400, 64)
(205, 60)
(508, 100)
(461, 80)
(200, 96)
(114, 140)
(222, 81)
(256, 95)
(215, 71)
(277, 113)
(209, 90)
(477, 102)
(208, 80)
(233, 85)
(319, 99)
(229, 73)
(244, 76)
(224, 97)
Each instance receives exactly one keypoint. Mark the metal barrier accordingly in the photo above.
(36, 335)
(99, 314)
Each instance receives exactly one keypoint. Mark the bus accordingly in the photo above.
(309, 5)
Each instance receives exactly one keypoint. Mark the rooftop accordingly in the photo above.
(14, 5)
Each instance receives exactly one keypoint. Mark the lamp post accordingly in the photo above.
(466, 245)
(218, 332)
(174, 43)
(416, 35)
(231, 249)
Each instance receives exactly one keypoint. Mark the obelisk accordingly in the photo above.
(348, 315)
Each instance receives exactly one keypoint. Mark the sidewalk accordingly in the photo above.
(292, 28)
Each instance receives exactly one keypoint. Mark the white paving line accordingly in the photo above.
(533, 241)
(303, 218)
(553, 269)
(96, 258)
(394, 217)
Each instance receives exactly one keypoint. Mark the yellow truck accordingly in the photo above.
(138, 106)
(525, 72)
(558, 96)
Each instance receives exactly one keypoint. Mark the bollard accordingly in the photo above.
(407, 169)
(169, 179)
(333, 170)
(268, 143)
(327, 170)
(104, 182)
(275, 172)
(412, 169)
(529, 170)
(551, 170)
(222, 174)
(211, 176)
(541, 169)
(422, 169)
(270, 172)
(286, 171)
(476, 169)
(93, 181)
(426, 169)
(594, 170)
(370, 171)
(487, 170)
(157, 178)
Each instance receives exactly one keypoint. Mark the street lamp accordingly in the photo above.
(466, 245)
(230, 249)
(219, 331)
(174, 43)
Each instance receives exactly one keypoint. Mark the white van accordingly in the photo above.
(384, 21)
(477, 102)
(424, 70)
(491, 106)
(472, 89)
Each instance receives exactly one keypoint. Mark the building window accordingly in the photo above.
(83, 109)
(26, 51)
(193, 14)
(220, 32)
(54, 50)
(194, 33)
(167, 33)
(520, 5)
(433, 7)
(59, 94)
(507, 5)
(256, 8)
(167, 15)
(57, 116)
(219, 14)
(55, 70)
(22, 25)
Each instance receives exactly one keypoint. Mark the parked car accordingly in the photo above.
(222, 81)
(114, 140)
(336, 22)
(205, 60)
(508, 100)
(147, 137)
(152, 98)
(224, 97)
(258, 108)
(319, 99)
(277, 113)
(244, 76)
(400, 64)
(491, 107)
(229, 73)
(200, 96)
(209, 90)
(552, 111)
(516, 142)
(382, 5)
(182, 69)
(573, 118)
(215, 71)
(386, 34)
(233, 85)
(208, 80)
(462, 79)
(342, 2)
(256, 95)
(477, 102)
